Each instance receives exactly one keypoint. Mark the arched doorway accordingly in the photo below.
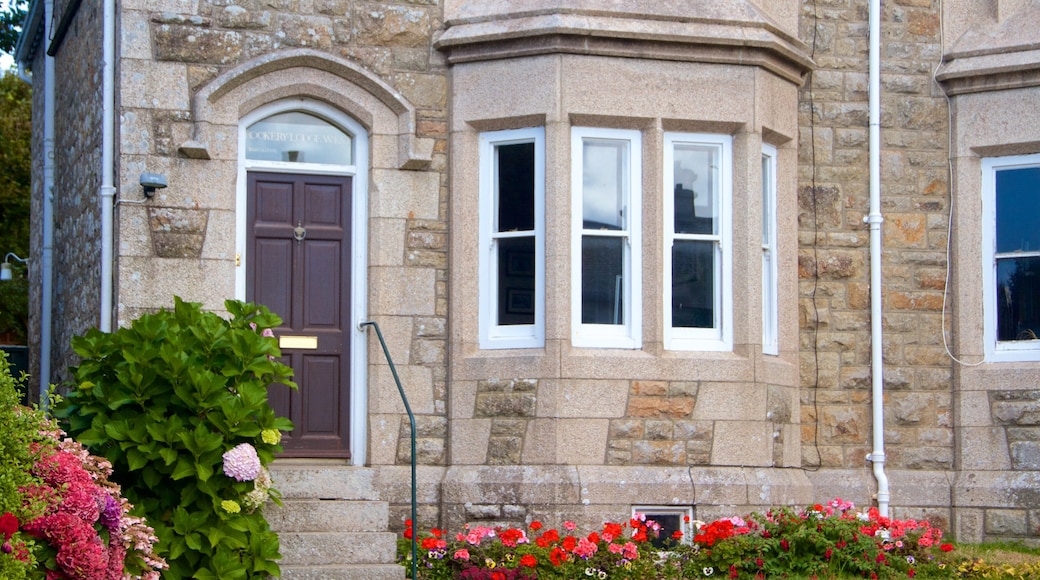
(301, 246)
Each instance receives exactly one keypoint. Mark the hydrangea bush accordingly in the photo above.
(61, 517)
(820, 541)
(178, 403)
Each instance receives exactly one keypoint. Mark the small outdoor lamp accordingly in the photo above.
(152, 181)
(5, 267)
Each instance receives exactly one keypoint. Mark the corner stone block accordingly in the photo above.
(744, 443)
(582, 441)
(730, 402)
(402, 291)
(593, 398)
(983, 448)
(405, 194)
(469, 441)
(417, 383)
(383, 438)
(149, 84)
(540, 442)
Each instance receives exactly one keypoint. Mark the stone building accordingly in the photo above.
(621, 252)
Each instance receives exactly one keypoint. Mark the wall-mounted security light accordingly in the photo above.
(5, 268)
(152, 181)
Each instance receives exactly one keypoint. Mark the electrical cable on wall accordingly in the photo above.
(951, 189)
(816, 255)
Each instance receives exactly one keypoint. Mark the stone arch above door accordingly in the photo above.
(383, 111)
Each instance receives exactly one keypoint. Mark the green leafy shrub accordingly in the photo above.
(178, 403)
(19, 434)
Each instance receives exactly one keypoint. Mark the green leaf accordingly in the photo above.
(185, 468)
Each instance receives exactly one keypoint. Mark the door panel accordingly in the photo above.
(298, 265)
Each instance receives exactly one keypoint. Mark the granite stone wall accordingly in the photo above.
(77, 184)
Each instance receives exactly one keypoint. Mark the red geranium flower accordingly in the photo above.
(528, 560)
(8, 524)
(536, 525)
(946, 547)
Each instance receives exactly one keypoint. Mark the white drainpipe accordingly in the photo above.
(108, 190)
(47, 260)
(877, 456)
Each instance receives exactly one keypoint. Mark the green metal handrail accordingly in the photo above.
(411, 418)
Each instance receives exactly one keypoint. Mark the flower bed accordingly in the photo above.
(826, 541)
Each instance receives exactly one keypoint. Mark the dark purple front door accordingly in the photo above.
(298, 265)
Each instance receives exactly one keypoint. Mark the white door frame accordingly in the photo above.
(359, 241)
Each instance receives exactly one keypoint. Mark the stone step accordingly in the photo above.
(337, 548)
(319, 515)
(307, 481)
(359, 572)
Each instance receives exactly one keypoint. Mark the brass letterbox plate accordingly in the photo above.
(298, 342)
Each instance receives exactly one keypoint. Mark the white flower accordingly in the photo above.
(242, 462)
(708, 571)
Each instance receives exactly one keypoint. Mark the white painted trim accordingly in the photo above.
(720, 336)
(359, 243)
(997, 351)
(493, 335)
(770, 273)
(630, 334)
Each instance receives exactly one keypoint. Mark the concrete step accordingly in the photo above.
(308, 481)
(337, 548)
(361, 572)
(318, 515)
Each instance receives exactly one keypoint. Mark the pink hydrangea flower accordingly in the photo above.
(242, 463)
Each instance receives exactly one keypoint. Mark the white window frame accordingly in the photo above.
(770, 309)
(629, 334)
(999, 351)
(492, 334)
(720, 336)
(685, 514)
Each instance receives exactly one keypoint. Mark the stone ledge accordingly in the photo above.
(755, 42)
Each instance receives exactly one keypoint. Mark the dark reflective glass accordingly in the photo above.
(693, 284)
(1018, 298)
(602, 267)
(1018, 210)
(515, 187)
(516, 265)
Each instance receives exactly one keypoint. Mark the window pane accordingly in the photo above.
(515, 183)
(603, 184)
(298, 137)
(1018, 298)
(602, 264)
(767, 202)
(516, 261)
(1018, 205)
(696, 209)
(693, 284)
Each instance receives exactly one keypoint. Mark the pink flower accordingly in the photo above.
(462, 554)
(242, 463)
(585, 548)
(569, 526)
